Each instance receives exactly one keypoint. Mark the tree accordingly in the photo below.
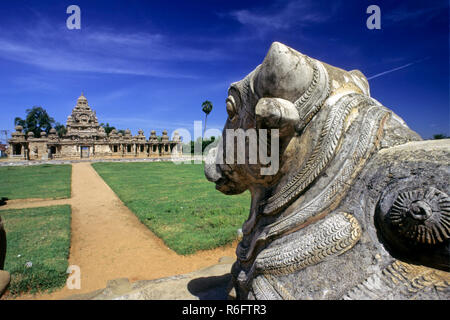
(61, 129)
(107, 128)
(192, 146)
(206, 108)
(37, 120)
(439, 136)
(19, 122)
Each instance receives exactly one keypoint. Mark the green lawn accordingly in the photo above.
(40, 236)
(177, 203)
(40, 181)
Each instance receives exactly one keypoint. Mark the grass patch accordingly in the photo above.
(40, 236)
(177, 203)
(40, 181)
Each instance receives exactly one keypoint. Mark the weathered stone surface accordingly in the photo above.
(5, 278)
(2, 245)
(4, 275)
(227, 260)
(211, 283)
(359, 208)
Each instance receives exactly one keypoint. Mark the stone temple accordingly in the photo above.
(85, 138)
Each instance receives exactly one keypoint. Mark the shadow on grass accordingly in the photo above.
(3, 201)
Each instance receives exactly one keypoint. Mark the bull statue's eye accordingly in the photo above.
(231, 107)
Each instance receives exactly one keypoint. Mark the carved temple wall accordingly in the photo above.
(85, 138)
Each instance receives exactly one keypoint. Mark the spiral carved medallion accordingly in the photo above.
(422, 215)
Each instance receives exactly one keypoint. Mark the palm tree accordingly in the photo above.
(206, 107)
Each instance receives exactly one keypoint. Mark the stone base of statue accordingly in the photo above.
(211, 283)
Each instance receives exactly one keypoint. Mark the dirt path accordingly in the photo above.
(109, 242)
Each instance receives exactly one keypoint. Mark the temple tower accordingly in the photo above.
(82, 124)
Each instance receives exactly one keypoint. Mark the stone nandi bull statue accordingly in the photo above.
(359, 208)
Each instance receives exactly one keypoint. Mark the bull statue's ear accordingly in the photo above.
(276, 113)
(361, 81)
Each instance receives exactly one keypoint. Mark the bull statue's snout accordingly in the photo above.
(213, 172)
(212, 169)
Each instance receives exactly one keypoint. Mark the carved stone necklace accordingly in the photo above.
(307, 106)
(312, 100)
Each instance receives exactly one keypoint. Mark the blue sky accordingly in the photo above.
(150, 64)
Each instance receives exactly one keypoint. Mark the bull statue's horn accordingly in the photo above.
(285, 73)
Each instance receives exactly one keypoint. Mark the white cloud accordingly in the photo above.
(104, 51)
(283, 17)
